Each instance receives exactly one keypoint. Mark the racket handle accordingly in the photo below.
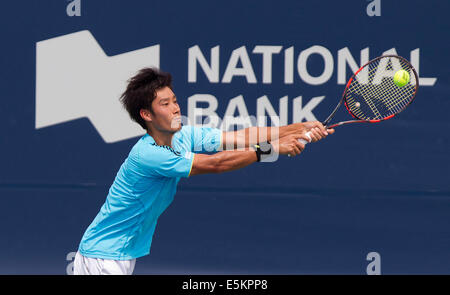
(308, 134)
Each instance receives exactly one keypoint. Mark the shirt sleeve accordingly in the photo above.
(166, 162)
(205, 139)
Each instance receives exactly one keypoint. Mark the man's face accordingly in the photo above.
(166, 115)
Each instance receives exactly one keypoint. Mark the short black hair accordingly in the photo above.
(141, 91)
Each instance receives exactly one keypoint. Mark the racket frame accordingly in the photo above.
(357, 119)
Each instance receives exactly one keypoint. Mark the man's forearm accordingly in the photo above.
(222, 161)
(233, 160)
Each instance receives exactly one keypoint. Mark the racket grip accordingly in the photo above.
(308, 134)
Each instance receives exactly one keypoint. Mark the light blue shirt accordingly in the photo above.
(143, 188)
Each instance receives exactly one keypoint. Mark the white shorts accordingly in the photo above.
(96, 266)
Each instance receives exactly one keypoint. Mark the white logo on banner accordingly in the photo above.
(76, 79)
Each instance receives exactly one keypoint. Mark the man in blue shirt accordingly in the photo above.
(146, 182)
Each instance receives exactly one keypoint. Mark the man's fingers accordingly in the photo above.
(319, 125)
(296, 146)
(296, 151)
(316, 134)
(299, 145)
(322, 129)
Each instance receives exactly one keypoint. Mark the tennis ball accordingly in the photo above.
(401, 78)
(357, 104)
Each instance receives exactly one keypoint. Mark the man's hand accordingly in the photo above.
(253, 135)
(316, 129)
(289, 145)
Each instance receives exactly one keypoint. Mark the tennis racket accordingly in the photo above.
(371, 96)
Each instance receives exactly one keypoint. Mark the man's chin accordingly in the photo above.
(176, 124)
(175, 128)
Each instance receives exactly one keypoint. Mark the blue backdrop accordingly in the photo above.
(381, 188)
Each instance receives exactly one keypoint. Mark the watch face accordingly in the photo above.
(266, 148)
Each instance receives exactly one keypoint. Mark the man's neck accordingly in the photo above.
(160, 137)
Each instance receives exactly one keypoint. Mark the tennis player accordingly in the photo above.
(146, 182)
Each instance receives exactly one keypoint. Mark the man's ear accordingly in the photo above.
(146, 115)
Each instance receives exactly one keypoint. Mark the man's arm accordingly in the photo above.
(222, 162)
(232, 160)
(253, 135)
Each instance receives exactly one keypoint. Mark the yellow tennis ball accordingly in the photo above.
(401, 78)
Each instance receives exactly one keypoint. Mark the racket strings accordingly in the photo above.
(373, 95)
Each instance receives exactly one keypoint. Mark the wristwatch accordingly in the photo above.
(262, 150)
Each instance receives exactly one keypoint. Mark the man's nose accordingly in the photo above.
(176, 109)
